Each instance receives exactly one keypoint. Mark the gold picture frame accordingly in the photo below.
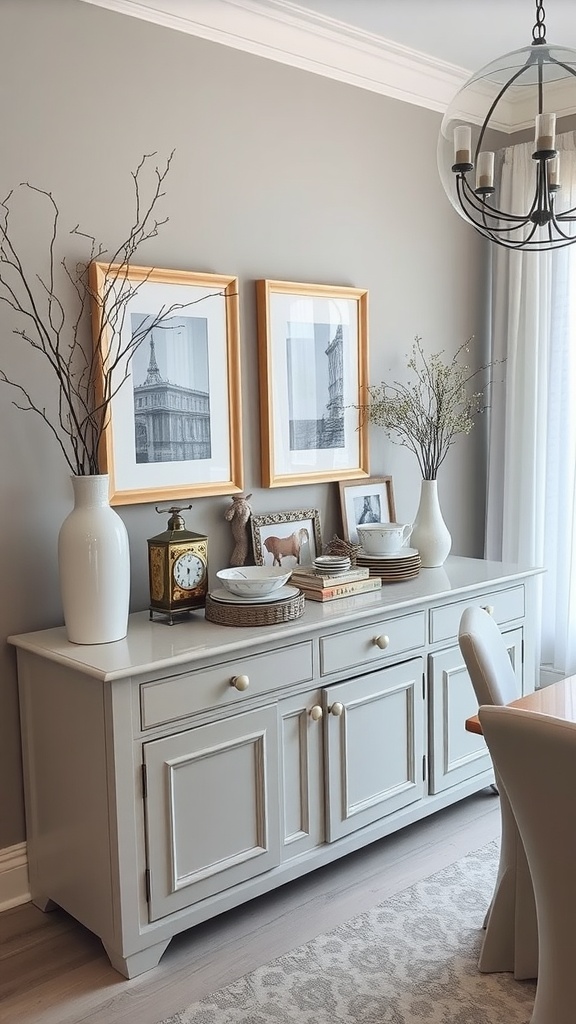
(370, 500)
(174, 430)
(313, 363)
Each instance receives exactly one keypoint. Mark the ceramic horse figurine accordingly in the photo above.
(238, 514)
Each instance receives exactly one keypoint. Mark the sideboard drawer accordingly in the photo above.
(167, 700)
(503, 605)
(357, 647)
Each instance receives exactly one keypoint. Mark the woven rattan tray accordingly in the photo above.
(255, 614)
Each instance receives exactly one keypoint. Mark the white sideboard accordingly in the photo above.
(186, 769)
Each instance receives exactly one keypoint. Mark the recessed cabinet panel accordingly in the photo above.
(375, 746)
(457, 755)
(301, 774)
(216, 790)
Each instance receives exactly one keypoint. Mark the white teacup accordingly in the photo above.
(383, 538)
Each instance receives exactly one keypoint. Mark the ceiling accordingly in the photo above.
(419, 51)
(467, 33)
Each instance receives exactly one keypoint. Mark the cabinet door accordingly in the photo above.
(375, 746)
(457, 755)
(301, 775)
(212, 808)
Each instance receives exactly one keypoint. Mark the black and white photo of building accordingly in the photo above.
(314, 361)
(171, 391)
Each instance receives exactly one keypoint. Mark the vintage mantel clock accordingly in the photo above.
(178, 568)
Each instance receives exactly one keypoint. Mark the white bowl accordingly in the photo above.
(253, 580)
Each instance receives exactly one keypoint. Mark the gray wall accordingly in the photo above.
(277, 174)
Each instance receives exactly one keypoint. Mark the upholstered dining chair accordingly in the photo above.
(511, 939)
(486, 658)
(535, 756)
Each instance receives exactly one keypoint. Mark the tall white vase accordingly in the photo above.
(430, 534)
(94, 565)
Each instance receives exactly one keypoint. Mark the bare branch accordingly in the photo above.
(56, 321)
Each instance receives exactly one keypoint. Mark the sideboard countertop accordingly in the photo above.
(155, 643)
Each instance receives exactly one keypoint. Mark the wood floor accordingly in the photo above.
(53, 971)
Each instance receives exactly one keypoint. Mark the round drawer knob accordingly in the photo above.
(489, 608)
(240, 682)
(336, 709)
(316, 713)
(382, 641)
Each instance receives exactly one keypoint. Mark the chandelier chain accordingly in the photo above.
(539, 30)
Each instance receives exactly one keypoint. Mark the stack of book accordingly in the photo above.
(318, 586)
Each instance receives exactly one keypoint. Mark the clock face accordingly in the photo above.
(189, 571)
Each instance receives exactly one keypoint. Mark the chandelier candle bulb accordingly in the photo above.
(545, 133)
(554, 172)
(462, 144)
(485, 171)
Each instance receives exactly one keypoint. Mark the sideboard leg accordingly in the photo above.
(44, 903)
(137, 963)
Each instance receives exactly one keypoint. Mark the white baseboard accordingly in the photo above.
(14, 887)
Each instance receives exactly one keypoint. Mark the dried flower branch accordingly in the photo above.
(90, 367)
(427, 415)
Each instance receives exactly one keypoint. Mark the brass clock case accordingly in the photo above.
(177, 569)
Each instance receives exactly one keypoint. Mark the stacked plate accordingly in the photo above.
(282, 594)
(394, 567)
(331, 565)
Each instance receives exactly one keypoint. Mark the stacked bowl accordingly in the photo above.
(331, 565)
(250, 584)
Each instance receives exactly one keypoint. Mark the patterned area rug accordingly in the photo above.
(412, 958)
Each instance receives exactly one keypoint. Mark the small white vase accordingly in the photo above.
(94, 566)
(430, 534)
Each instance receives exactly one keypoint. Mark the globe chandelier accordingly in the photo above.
(526, 95)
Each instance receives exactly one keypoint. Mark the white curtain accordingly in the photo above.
(531, 510)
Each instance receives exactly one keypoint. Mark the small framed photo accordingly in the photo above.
(168, 342)
(287, 539)
(313, 359)
(366, 501)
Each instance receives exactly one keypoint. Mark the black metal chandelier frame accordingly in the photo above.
(475, 203)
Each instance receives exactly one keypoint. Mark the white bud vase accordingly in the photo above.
(430, 535)
(94, 565)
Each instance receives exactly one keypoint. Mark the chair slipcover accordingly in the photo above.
(511, 940)
(487, 659)
(535, 756)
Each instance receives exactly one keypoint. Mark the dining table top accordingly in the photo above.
(558, 699)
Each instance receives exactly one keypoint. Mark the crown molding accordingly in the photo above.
(290, 34)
